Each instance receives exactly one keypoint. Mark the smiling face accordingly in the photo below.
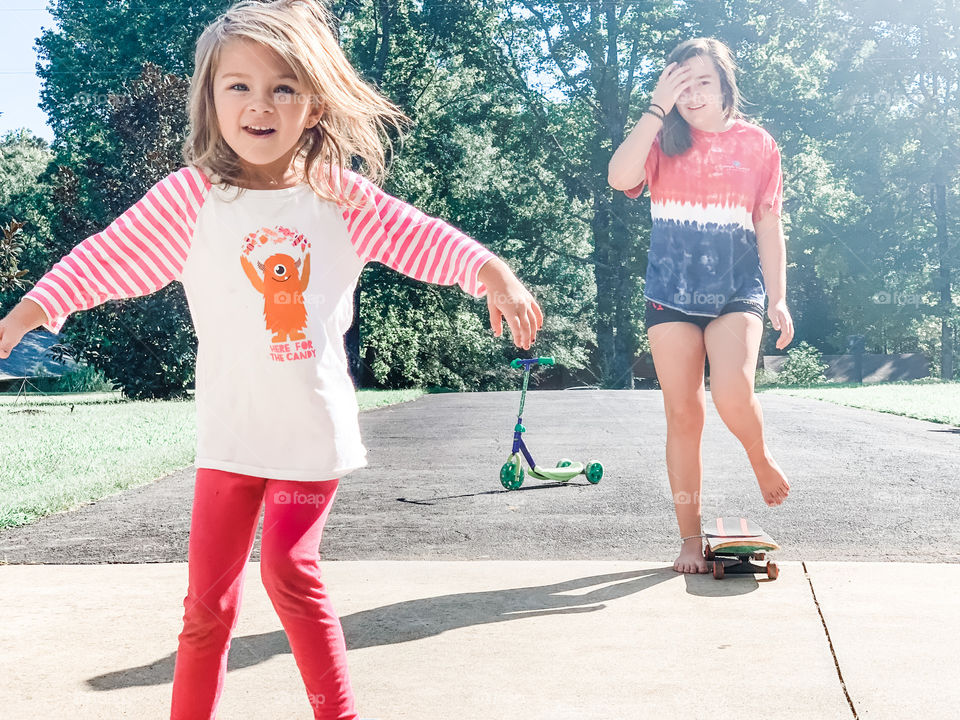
(701, 105)
(262, 112)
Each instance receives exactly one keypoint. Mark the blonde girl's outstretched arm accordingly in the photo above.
(387, 230)
(139, 253)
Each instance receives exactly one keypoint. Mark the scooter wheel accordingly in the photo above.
(511, 475)
(594, 472)
(565, 462)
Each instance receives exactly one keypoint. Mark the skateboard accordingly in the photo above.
(731, 545)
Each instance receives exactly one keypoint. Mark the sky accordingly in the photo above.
(21, 22)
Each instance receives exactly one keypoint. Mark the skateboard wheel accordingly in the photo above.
(565, 462)
(708, 553)
(772, 570)
(760, 556)
(718, 569)
(593, 471)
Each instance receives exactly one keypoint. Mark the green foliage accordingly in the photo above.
(510, 142)
(145, 346)
(11, 245)
(23, 157)
(473, 158)
(804, 366)
(421, 336)
(764, 378)
(84, 379)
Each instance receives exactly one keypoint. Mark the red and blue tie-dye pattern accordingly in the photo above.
(703, 204)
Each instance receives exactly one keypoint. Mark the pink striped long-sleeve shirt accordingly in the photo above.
(269, 278)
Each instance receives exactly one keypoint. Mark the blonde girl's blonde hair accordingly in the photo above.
(675, 136)
(356, 118)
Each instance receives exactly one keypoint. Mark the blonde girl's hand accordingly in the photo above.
(10, 336)
(673, 81)
(508, 299)
(24, 317)
(781, 320)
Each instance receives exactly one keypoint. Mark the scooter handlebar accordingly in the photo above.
(526, 363)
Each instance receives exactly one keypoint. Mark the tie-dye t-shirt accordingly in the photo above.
(703, 204)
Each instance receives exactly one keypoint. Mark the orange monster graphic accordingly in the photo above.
(282, 285)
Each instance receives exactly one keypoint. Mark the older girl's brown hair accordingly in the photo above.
(675, 135)
(356, 116)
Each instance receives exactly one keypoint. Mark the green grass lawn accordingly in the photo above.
(54, 457)
(925, 399)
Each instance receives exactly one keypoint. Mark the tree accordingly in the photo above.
(23, 158)
(901, 102)
(474, 158)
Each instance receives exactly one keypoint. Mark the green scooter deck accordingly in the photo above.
(557, 474)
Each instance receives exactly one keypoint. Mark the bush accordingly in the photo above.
(82, 380)
(804, 366)
(146, 346)
(764, 378)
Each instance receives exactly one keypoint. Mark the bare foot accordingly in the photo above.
(691, 557)
(773, 483)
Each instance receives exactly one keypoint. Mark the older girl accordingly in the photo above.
(716, 248)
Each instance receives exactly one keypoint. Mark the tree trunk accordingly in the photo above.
(939, 202)
(604, 271)
(616, 337)
(358, 369)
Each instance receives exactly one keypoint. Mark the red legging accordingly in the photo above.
(226, 509)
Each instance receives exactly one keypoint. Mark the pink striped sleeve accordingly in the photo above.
(141, 251)
(390, 231)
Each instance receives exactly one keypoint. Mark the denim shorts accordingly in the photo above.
(655, 313)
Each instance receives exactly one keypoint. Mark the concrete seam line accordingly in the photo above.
(833, 652)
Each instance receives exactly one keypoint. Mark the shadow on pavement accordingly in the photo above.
(705, 585)
(419, 619)
(432, 500)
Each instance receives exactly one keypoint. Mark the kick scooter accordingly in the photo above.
(511, 474)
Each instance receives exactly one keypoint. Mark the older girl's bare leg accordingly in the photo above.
(678, 355)
(733, 342)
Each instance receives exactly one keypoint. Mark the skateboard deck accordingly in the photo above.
(737, 536)
(733, 542)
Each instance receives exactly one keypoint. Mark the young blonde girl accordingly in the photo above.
(716, 247)
(268, 230)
